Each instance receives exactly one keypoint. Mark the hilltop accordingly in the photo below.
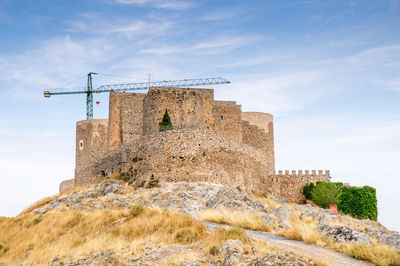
(114, 223)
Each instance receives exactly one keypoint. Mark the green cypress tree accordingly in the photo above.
(165, 124)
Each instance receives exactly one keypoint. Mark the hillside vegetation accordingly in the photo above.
(114, 223)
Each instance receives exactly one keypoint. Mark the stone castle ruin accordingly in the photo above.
(211, 141)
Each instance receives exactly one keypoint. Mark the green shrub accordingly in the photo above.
(165, 124)
(126, 177)
(307, 190)
(326, 193)
(239, 188)
(359, 202)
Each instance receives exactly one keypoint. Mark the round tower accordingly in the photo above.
(91, 142)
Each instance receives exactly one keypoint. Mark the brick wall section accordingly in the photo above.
(185, 155)
(289, 184)
(228, 119)
(187, 108)
(125, 117)
(91, 142)
(66, 185)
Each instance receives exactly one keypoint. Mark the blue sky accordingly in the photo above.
(327, 70)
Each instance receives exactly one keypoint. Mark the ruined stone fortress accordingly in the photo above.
(211, 141)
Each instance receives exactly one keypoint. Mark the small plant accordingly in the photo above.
(126, 177)
(239, 188)
(185, 235)
(153, 182)
(37, 220)
(75, 220)
(136, 210)
(115, 231)
(140, 184)
(78, 242)
(326, 193)
(213, 250)
(4, 249)
(237, 233)
(165, 124)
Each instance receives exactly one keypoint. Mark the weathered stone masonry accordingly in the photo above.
(212, 141)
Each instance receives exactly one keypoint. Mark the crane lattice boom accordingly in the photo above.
(131, 86)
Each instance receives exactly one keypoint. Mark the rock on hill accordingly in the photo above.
(114, 223)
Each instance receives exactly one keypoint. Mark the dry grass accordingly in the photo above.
(244, 220)
(38, 204)
(77, 233)
(377, 254)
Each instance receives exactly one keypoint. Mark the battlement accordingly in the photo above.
(301, 173)
(289, 184)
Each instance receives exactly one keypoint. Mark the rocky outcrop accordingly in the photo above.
(343, 234)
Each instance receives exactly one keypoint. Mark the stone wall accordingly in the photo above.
(258, 131)
(66, 185)
(184, 155)
(187, 108)
(125, 121)
(289, 184)
(227, 119)
(91, 142)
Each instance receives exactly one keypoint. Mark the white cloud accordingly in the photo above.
(272, 92)
(216, 45)
(376, 55)
(93, 25)
(176, 5)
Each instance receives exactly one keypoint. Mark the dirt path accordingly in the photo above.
(321, 254)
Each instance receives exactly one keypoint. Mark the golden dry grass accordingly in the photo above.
(77, 233)
(250, 221)
(377, 254)
(38, 204)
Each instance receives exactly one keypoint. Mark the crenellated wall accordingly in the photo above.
(289, 184)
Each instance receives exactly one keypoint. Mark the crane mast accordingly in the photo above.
(129, 87)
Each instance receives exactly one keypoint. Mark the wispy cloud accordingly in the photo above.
(166, 4)
(376, 55)
(272, 92)
(220, 44)
(52, 62)
(93, 25)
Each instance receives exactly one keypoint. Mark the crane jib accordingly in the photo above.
(131, 86)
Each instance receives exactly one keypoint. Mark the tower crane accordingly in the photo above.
(129, 87)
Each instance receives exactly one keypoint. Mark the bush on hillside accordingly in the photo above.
(326, 193)
(166, 123)
(307, 190)
(359, 202)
